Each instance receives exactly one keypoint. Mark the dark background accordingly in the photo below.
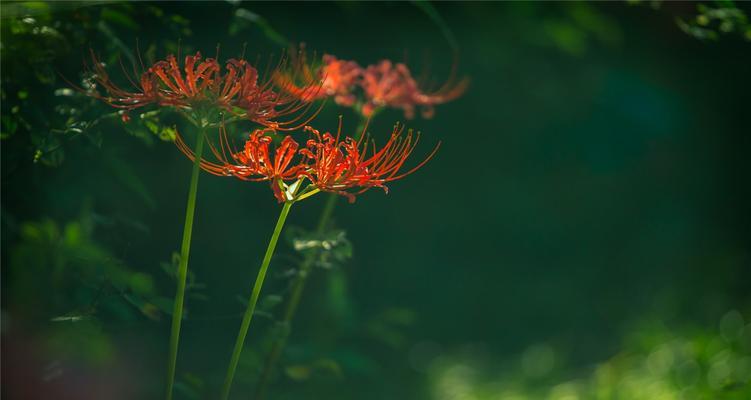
(583, 231)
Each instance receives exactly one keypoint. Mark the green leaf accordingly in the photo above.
(116, 17)
(270, 301)
(245, 18)
(298, 372)
(330, 248)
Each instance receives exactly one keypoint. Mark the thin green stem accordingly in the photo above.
(182, 271)
(297, 288)
(253, 300)
(296, 293)
(307, 194)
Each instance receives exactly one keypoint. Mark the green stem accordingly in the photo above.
(182, 271)
(296, 293)
(253, 300)
(297, 288)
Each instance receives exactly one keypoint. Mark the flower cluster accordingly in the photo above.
(200, 88)
(384, 84)
(202, 85)
(330, 163)
(209, 94)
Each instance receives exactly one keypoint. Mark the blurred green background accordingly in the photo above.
(583, 232)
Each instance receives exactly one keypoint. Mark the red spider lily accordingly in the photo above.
(392, 85)
(255, 162)
(337, 78)
(346, 167)
(383, 85)
(203, 85)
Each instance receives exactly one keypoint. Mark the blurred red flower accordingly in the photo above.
(380, 85)
(337, 78)
(392, 85)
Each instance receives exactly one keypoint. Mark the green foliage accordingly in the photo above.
(146, 126)
(70, 286)
(70, 268)
(194, 289)
(266, 305)
(328, 249)
(582, 26)
(81, 340)
(573, 28)
(655, 363)
(713, 19)
(41, 57)
(712, 22)
(377, 326)
(245, 19)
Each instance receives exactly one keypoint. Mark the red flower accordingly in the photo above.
(255, 162)
(346, 167)
(392, 85)
(381, 85)
(205, 85)
(146, 90)
(337, 78)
